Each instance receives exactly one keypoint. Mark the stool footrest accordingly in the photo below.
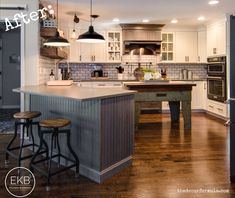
(56, 172)
(16, 156)
(18, 147)
(54, 156)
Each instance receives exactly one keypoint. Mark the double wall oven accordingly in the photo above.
(216, 78)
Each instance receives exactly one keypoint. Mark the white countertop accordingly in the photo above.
(156, 82)
(74, 92)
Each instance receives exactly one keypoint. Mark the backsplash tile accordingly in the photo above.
(82, 71)
(173, 69)
(45, 66)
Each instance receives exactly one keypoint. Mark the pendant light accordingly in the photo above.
(57, 40)
(91, 36)
(75, 20)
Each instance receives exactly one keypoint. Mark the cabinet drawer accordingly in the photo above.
(217, 108)
(211, 108)
(163, 96)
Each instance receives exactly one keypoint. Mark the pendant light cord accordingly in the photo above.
(57, 18)
(91, 11)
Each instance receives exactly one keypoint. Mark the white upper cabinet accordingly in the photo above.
(167, 47)
(201, 48)
(216, 39)
(92, 52)
(87, 52)
(114, 46)
(186, 47)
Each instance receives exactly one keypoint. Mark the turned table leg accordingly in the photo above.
(175, 110)
(186, 108)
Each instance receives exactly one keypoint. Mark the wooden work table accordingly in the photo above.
(172, 92)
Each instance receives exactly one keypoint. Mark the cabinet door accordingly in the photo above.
(221, 39)
(202, 55)
(211, 41)
(216, 39)
(98, 50)
(186, 47)
(204, 94)
(199, 95)
(93, 52)
(168, 47)
(74, 49)
(85, 52)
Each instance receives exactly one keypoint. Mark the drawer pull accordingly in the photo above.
(219, 109)
(161, 94)
(211, 106)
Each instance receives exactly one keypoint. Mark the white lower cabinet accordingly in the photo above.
(217, 108)
(199, 95)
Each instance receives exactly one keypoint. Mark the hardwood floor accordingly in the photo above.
(167, 160)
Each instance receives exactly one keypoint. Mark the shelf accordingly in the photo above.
(47, 32)
(53, 52)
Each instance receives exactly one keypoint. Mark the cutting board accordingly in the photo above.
(59, 82)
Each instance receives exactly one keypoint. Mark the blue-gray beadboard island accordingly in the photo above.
(104, 119)
(102, 129)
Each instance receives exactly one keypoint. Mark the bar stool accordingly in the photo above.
(27, 124)
(52, 127)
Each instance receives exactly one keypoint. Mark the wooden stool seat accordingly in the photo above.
(54, 132)
(54, 123)
(27, 115)
(24, 120)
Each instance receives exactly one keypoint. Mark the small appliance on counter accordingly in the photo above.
(97, 73)
(186, 74)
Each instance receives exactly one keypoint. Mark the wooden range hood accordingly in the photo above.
(141, 39)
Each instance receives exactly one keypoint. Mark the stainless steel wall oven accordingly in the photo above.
(216, 78)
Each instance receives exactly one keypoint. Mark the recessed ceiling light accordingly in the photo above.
(145, 21)
(174, 21)
(115, 20)
(213, 2)
(201, 18)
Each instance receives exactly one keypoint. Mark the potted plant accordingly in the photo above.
(148, 73)
(120, 71)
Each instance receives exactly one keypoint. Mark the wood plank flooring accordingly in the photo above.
(167, 160)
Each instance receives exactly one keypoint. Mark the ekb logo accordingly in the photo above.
(20, 182)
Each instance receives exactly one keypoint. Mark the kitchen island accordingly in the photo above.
(173, 92)
(102, 129)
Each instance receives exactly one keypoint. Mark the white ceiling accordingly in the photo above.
(134, 11)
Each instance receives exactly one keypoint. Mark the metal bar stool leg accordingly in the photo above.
(49, 166)
(73, 153)
(37, 153)
(10, 143)
(31, 134)
(21, 145)
(58, 146)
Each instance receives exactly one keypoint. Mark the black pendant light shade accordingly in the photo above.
(91, 36)
(57, 41)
